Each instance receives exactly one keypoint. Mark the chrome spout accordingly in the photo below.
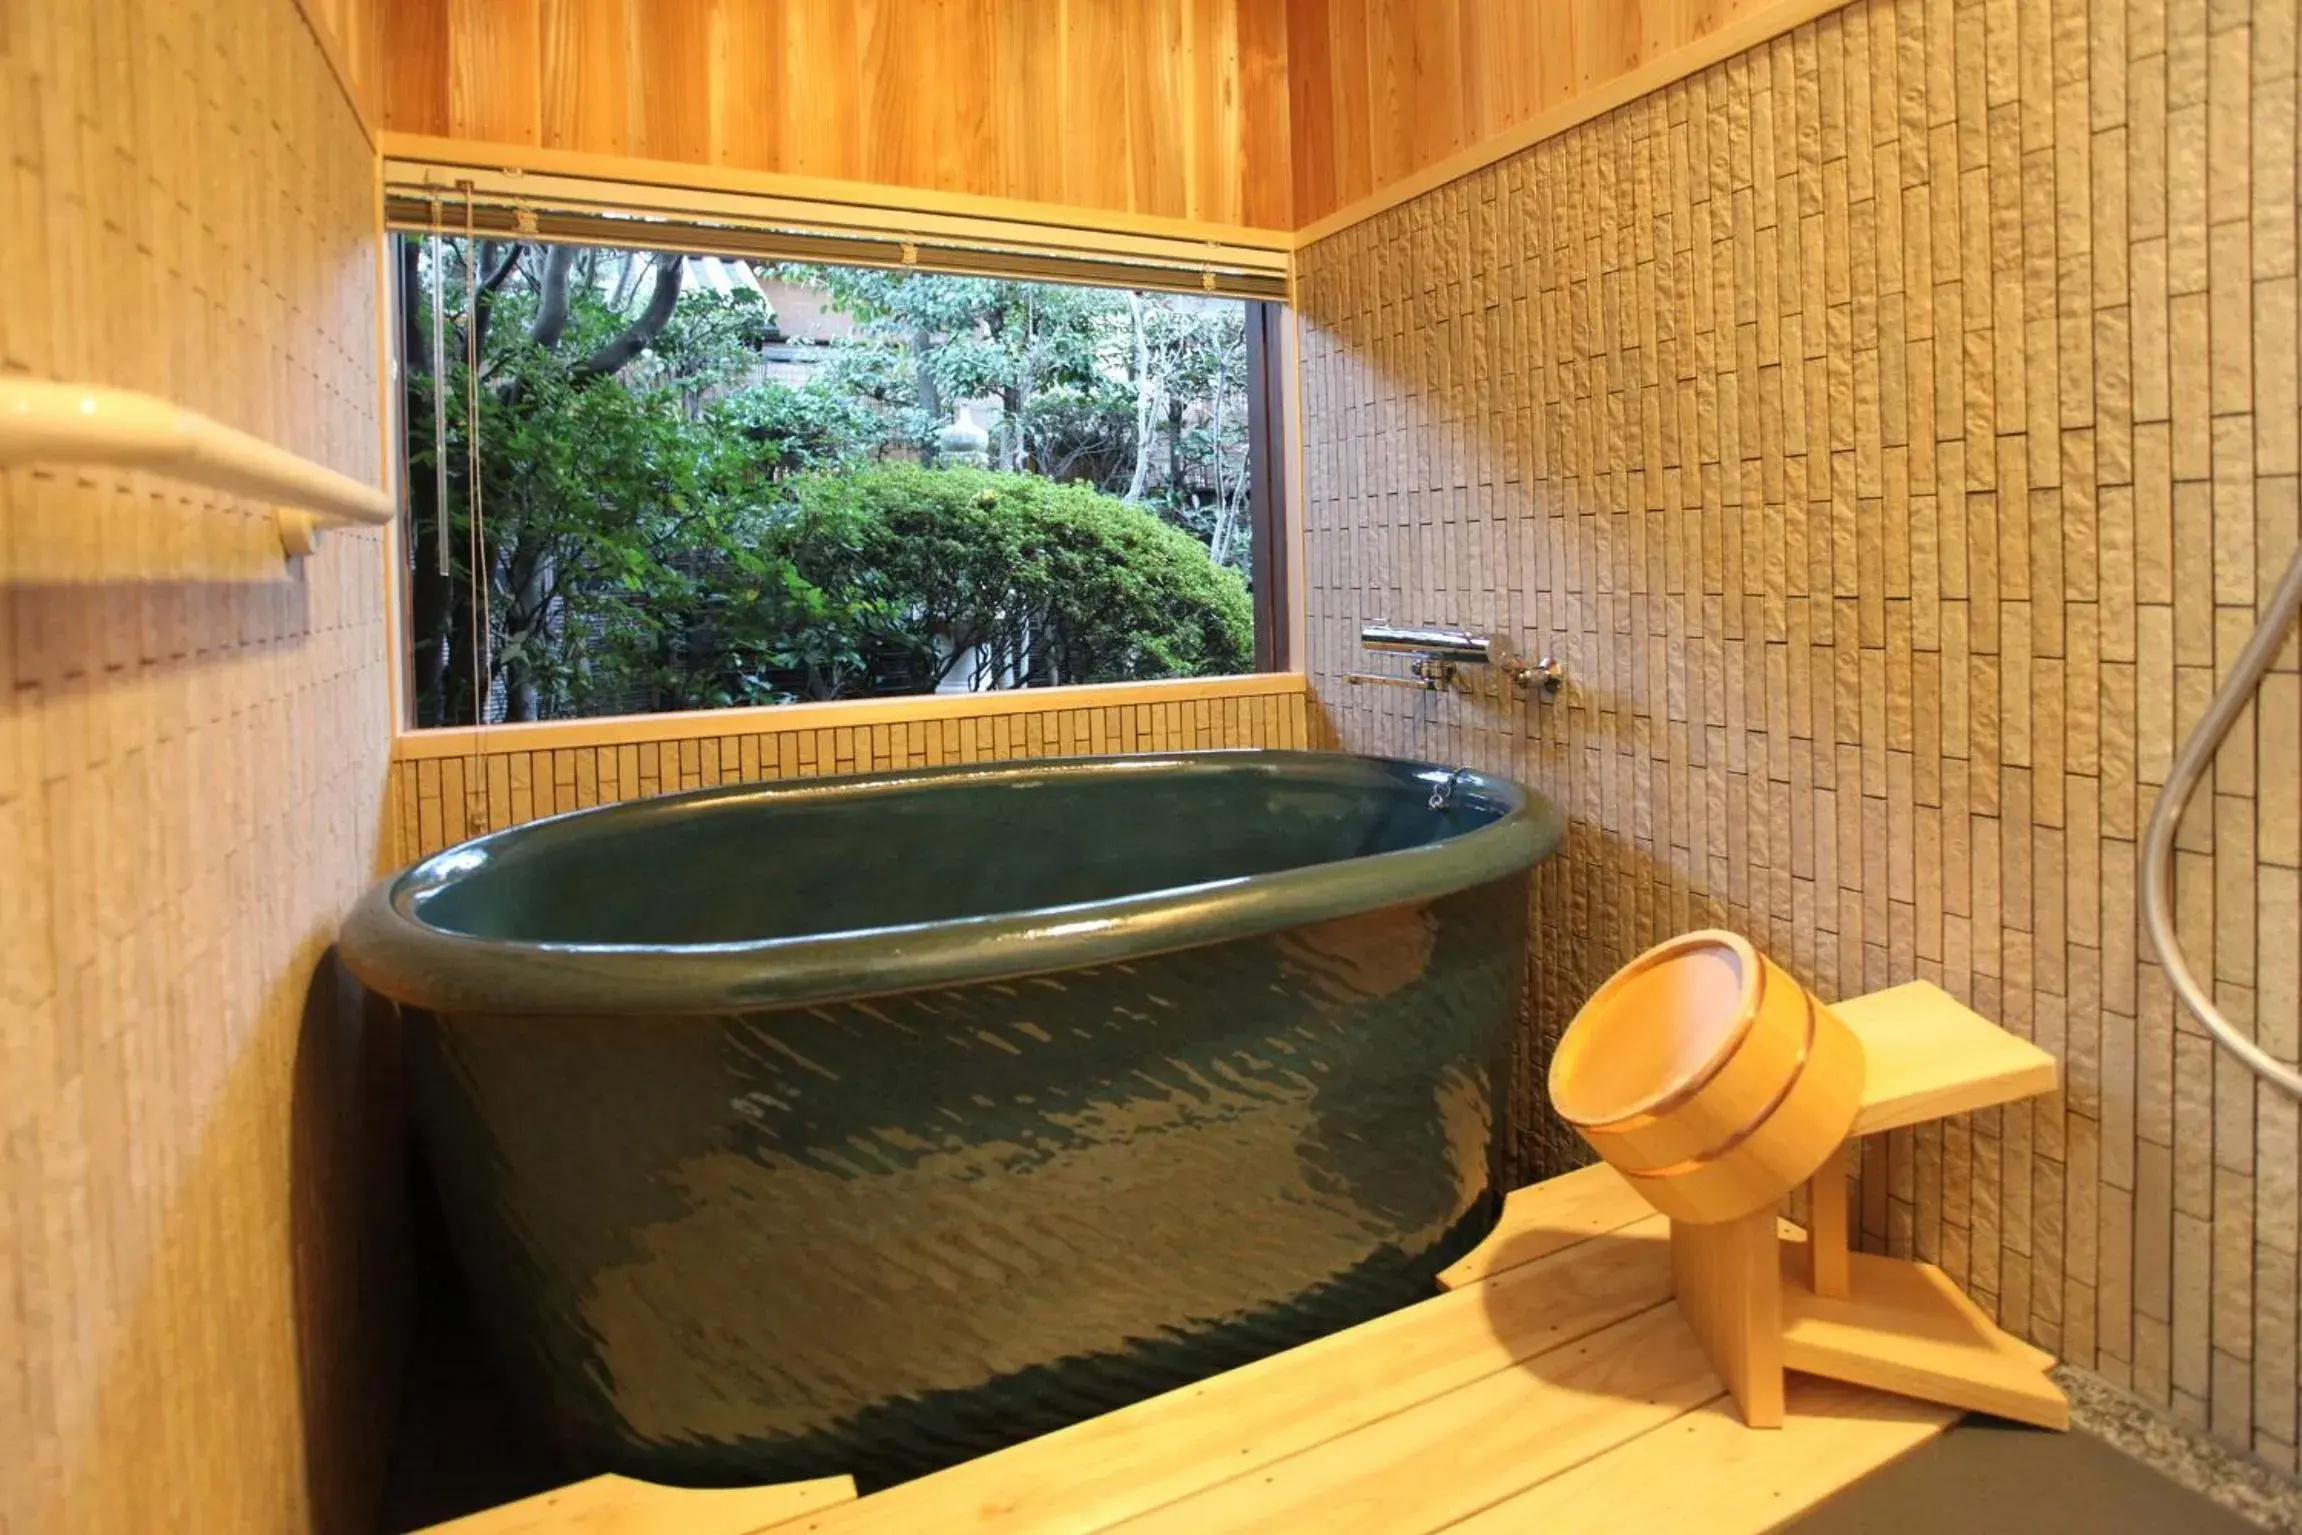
(1441, 650)
(1438, 640)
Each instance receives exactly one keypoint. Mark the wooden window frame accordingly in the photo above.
(1267, 503)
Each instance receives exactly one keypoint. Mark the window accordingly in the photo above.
(650, 480)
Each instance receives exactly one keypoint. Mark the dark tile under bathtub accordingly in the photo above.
(461, 1442)
(1987, 1477)
(462, 1445)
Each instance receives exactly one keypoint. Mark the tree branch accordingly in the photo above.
(961, 646)
(626, 279)
(643, 330)
(484, 305)
(552, 306)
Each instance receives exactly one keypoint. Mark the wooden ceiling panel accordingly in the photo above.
(1265, 114)
(1173, 108)
(1389, 97)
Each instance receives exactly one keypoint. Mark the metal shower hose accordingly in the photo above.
(2190, 765)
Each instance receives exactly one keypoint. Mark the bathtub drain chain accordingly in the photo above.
(1443, 793)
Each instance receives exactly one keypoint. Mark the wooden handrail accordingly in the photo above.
(43, 422)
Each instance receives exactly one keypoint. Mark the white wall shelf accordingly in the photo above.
(42, 422)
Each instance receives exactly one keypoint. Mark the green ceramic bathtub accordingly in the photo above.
(869, 1124)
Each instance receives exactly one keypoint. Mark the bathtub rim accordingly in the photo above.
(396, 953)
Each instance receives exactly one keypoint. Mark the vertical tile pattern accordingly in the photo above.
(193, 738)
(1894, 429)
(438, 802)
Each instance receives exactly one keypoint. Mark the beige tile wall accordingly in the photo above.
(192, 764)
(1893, 428)
(439, 800)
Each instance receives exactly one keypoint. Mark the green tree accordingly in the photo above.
(1093, 384)
(665, 524)
(926, 341)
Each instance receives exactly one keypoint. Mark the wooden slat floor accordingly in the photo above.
(1552, 1387)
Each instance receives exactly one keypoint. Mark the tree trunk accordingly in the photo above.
(430, 594)
(1012, 399)
(930, 394)
(1143, 398)
(551, 321)
(529, 599)
(484, 303)
(461, 700)
(1175, 486)
(1221, 547)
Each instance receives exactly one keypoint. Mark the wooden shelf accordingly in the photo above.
(1925, 1055)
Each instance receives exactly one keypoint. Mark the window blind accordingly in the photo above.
(509, 202)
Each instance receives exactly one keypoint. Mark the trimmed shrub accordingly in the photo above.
(1053, 583)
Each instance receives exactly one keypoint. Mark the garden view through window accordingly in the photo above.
(644, 482)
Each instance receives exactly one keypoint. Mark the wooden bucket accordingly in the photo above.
(1708, 1077)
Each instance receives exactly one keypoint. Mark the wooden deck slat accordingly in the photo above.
(1423, 1469)
(619, 1505)
(1548, 1218)
(1111, 1468)
(1557, 1388)
(1706, 1471)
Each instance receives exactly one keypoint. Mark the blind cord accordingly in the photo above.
(444, 528)
(482, 618)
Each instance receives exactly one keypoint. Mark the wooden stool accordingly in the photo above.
(1715, 1084)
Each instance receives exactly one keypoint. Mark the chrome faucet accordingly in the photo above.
(1440, 654)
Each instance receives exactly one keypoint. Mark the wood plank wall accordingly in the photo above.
(352, 34)
(1894, 429)
(439, 801)
(1169, 107)
(1381, 89)
(193, 744)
